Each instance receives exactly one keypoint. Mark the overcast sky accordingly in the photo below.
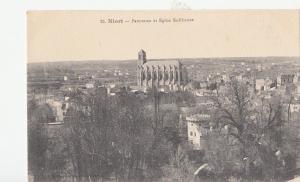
(79, 35)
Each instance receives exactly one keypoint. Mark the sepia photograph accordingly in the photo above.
(163, 96)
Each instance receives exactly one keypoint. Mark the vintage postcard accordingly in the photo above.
(207, 95)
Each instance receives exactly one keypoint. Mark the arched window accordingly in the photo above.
(160, 75)
(148, 74)
(154, 75)
(180, 75)
(166, 75)
(171, 75)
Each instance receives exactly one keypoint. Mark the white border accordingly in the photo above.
(13, 155)
(161, 4)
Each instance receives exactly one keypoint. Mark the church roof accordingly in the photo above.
(162, 63)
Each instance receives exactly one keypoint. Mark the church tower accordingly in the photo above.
(141, 60)
(141, 57)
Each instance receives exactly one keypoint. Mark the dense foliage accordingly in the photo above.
(137, 137)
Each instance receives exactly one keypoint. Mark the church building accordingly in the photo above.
(162, 74)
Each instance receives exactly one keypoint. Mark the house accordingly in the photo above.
(287, 79)
(197, 127)
(264, 84)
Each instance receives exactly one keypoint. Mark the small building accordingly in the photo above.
(293, 107)
(265, 84)
(59, 108)
(259, 84)
(197, 127)
(287, 79)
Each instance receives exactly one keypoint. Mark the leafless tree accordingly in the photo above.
(254, 123)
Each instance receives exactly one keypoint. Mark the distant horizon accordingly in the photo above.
(187, 58)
